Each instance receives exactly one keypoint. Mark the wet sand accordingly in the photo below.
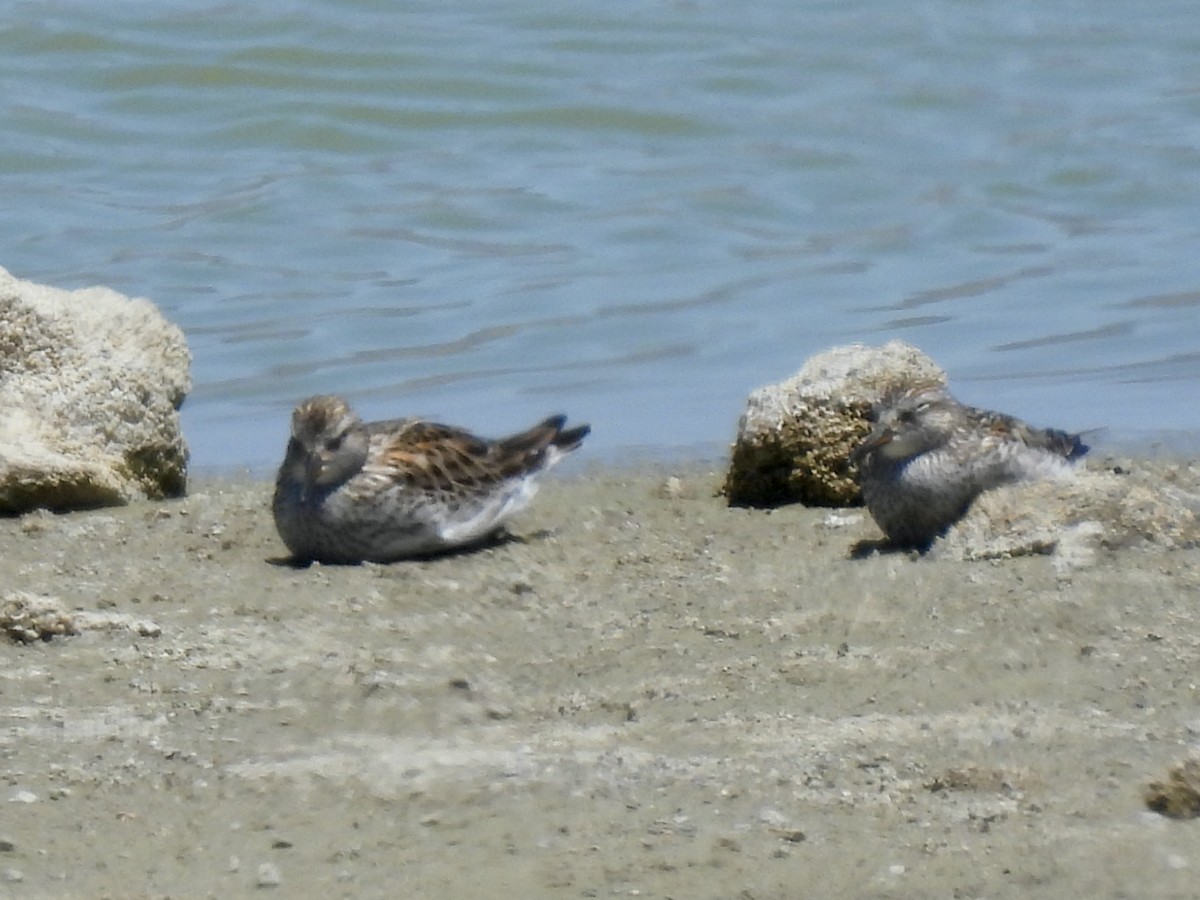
(646, 694)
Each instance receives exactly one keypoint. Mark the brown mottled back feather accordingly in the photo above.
(1068, 446)
(434, 456)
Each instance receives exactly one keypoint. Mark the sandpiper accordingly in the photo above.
(929, 456)
(352, 491)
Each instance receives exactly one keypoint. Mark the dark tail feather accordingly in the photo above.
(1068, 446)
(546, 434)
(571, 438)
(1088, 434)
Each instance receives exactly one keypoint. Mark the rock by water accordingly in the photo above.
(794, 439)
(91, 383)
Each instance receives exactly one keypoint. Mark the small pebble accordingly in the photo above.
(268, 876)
(13, 875)
(672, 488)
(146, 628)
(23, 797)
(772, 817)
(842, 520)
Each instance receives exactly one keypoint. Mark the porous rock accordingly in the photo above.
(1073, 518)
(1178, 795)
(794, 438)
(29, 617)
(90, 387)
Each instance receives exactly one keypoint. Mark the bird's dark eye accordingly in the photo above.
(907, 416)
(334, 444)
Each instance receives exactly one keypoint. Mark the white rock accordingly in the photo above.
(794, 438)
(89, 398)
(1072, 519)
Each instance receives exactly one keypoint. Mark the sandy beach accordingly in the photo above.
(645, 693)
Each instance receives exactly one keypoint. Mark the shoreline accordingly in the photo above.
(646, 693)
(1157, 446)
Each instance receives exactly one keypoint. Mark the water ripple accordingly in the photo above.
(639, 213)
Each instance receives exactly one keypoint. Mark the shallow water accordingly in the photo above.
(489, 211)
